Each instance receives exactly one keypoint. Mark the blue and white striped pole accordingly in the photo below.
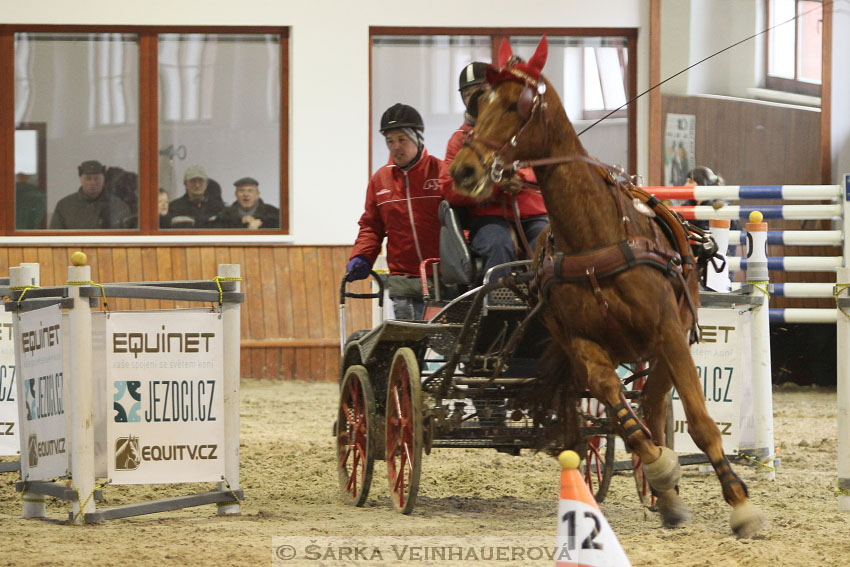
(761, 379)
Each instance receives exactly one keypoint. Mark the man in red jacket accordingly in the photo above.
(490, 221)
(402, 201)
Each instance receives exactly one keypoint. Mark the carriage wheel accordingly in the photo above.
(355, 429)
(404, 430)
(599, 459)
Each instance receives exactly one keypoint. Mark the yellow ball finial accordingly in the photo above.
(78, 258)
(756, 216)
(569, 460)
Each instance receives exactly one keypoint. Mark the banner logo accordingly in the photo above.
(32, 450)
(127, 454)
(29, 388)
(127, 401)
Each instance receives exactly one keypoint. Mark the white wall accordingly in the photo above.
(840, 124)
(692, 30)
(329, 74)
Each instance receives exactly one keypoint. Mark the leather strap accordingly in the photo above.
(611, 260)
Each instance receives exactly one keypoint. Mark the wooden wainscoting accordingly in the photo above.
(290, 318)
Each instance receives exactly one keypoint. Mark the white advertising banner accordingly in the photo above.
(722, 358)
(10, 444)
(42, 388)
(164, 373)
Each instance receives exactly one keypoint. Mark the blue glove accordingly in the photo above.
(357, 268)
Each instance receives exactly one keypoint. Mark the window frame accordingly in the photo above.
(783, 83)
(497, 34)
(148, 124)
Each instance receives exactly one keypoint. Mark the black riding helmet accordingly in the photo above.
(401, 116)
(471, 75)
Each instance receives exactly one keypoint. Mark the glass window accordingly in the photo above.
(794, 46)
(82, 88)
(589, 73)
(219, 130)
(422, 71)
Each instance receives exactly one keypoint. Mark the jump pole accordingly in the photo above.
(762, 380)
(842, 341)
(33, 504)
(230, 314)
(81, 393)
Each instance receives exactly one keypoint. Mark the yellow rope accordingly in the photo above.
(840, 492)
(836, 291)
(762, 286)
(83, 504)
(230, 490)
(25, 289)
(218, 280)
(758, 462)
(90, 282)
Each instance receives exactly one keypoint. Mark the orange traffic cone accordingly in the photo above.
(584, 537)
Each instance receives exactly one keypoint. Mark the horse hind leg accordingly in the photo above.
(664, 474)
(675, 360)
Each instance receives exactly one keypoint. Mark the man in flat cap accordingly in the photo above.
(90, 207)
(248, 210)
(196, 208)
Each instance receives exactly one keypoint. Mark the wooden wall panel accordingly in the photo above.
(290, 318)
(751, 143)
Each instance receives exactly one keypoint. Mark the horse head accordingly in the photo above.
(511, 124)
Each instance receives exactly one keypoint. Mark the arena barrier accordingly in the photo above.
(9, 444)
(837, 212)
(110, 371)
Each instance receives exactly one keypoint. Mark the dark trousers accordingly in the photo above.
(491, 239)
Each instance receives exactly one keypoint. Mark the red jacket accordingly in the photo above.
(402, 206)
(499, 204)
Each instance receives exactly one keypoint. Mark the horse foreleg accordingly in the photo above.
(746, 520)
(596, 370)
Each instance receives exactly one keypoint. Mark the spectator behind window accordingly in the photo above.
(198, 207)
(248, 210)
(90, 207)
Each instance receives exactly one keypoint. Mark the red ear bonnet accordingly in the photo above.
(526, 72)
(505, 52)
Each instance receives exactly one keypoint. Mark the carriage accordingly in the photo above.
(463, 378)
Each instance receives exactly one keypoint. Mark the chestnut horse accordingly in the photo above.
(617, 286)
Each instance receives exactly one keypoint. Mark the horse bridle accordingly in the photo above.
(529, 103)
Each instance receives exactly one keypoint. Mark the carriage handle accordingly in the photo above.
(379, 295)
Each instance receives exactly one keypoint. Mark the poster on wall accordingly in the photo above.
(679, 148)
(42, 388)
(10, 445)
(722, 361)
(164, 373)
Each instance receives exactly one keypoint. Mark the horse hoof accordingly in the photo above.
(672, 508)
(747, 520)
(664, 473)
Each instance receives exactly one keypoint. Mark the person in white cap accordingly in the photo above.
(196, 208)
